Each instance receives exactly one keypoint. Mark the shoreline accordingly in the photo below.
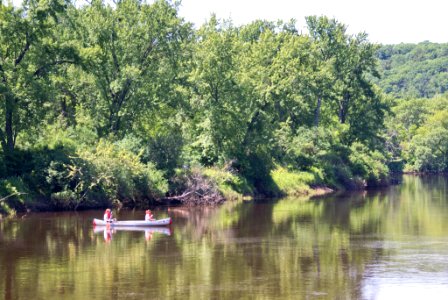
(216, 188)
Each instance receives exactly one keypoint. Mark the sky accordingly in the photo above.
(385, 21)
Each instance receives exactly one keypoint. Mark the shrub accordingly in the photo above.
(117, 174)
(14, 195)
(193, 187)
(369, 165)
(230, 184)
(293, 182)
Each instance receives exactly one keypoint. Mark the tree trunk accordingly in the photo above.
(7, 136)
(317, 112)
(343, 108)
(8, 147)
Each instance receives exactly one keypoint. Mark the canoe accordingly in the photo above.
(161, 222)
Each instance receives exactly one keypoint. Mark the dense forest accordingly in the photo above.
(413, 70)
(128, 104)
(416, 77)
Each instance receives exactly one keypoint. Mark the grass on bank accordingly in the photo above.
(294, 182)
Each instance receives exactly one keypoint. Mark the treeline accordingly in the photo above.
(413, 70)
(416, 76)
(418, 134)
(128, 103)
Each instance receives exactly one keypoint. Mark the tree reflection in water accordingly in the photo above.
(346, 246)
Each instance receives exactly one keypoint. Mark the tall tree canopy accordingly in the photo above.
(134, 52)
(30, 50)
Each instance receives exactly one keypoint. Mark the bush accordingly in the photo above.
(66, 177)
(369, 165)
(165, 151)
(230, 184)
(116, 174)
(293, 183)
(193, 187)
(337, 173)
(14, 195)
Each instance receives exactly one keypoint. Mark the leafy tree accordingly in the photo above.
(429, 147)
(216, 95)
(420, 129)
(350, 93)
(329, 37)
(133, 50)
(29, 51)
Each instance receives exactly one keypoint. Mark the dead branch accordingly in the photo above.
(13, 194)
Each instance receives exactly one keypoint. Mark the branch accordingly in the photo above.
(114, 55)
(24, 50)
(143, 59)
(180, 196)
(5, 81)
(107, 88)
(147, 51)
(3, 139)
(68, 92)
(39, 71)
(13, 194)
(123, 93)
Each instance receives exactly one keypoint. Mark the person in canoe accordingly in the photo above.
(108, 216)
(149, 216)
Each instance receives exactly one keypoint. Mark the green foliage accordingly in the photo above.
(15, 195)
(429, 147)
(30, 50)
(70, 176)
(115, 174)
(231, 185)
(322, 152)
(414, 70)
(293, 183)
(104, 103)
(133, 52)
(164, 148)
(216, 96)
(304, 148)
(421, 130)
(370, 165)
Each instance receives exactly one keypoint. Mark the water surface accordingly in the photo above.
(387, 244)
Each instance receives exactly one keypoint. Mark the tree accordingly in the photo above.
(328, 38)
(352, 95)
(217, 97)
(134, 52)
(429, 147)
(29, 52)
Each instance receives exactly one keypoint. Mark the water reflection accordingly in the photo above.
(363, 245)
(109, 231)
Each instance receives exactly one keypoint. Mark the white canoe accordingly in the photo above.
(161, 222)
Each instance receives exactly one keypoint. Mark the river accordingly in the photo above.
(385, 244)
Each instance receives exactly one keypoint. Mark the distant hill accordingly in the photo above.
(414, 70)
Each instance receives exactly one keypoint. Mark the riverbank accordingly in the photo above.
(214, 186)
(110, 176)
(195, 186)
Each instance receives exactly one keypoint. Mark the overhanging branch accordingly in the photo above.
(40, 71)
(23, 52)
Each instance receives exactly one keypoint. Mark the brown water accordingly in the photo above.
(389, 244)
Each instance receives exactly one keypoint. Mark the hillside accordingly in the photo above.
(414, 70)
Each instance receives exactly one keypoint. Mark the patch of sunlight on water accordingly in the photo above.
(382, 289)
